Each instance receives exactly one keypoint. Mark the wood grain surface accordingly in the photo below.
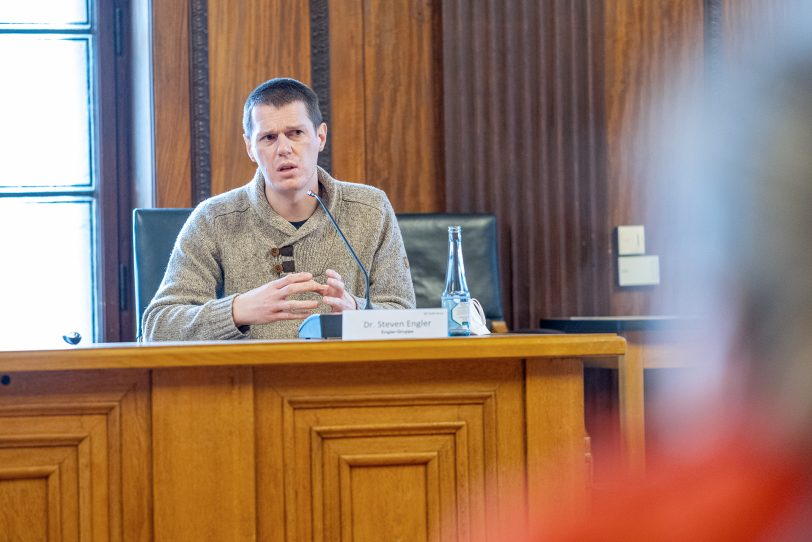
(260, 40)
(228, 353)
(203, 435)
(386, 99)
(172, 128)
(522, 124)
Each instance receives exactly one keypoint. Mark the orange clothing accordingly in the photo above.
(735, 492)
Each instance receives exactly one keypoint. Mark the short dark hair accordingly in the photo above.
(279, 92)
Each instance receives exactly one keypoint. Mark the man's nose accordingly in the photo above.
(283, 145)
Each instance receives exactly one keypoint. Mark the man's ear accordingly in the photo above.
(248, 148)
(321, 133)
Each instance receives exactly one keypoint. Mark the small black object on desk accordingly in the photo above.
(618, 324)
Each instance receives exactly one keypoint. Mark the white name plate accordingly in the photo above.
(394, 324)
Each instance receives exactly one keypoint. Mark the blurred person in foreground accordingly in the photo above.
(738, 461)
(253, 262)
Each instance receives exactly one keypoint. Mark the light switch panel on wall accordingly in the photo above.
(638, 270)
(631, 240)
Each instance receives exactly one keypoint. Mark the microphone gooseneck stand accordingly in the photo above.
(330, 325)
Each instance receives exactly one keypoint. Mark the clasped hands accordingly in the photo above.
(272, 301)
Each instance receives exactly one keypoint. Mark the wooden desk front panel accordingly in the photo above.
(74, 456)
(428, 451)
(374, 452)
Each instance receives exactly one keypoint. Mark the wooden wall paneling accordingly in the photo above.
(347, 128)
(172, 129)
(403, 117)
(519, 91)
(469, 56)
(654, 63)
(249, 43)
(204, 484)
(386, 97)
(575, 201)
(596, 245)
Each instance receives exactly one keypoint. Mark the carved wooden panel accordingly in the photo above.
(374, 488)
(362, 475)
(74, 457)
(405, 447)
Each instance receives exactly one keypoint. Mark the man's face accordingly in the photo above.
(285, 146)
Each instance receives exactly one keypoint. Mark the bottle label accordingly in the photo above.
(460, 313)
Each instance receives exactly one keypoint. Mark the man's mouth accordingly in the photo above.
(286, 167)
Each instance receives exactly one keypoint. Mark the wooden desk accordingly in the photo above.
(653, 342)
(322, 440)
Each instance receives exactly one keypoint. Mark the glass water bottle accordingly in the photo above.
(456, 297)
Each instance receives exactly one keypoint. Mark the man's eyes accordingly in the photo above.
(292, 134)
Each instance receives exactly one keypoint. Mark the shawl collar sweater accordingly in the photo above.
(235, 242)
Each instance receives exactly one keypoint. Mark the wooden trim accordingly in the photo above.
(556, 448)
(320, 67)
(199, 97)
(270, 353)
(109, 76)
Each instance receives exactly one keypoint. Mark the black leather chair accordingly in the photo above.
(425, 236)
(154, 234)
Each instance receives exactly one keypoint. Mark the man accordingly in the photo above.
(253, 262)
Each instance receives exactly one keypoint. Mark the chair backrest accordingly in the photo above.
(425, 236)
(154, 234)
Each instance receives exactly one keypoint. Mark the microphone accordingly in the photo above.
(349, 247)
(324, 326)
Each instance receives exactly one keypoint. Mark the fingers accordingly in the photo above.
(335, 284)
(293, 306)
(334, 287)
(336, 304)
(292, 278)
(336, 295)
(275, 300)
(291, 315)
(299, 287)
